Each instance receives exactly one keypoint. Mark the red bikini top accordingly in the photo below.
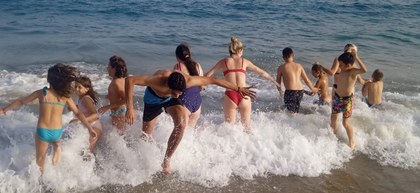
(234, 70)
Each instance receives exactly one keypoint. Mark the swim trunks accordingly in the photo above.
(292, 100)
(342, 104)
(119, 112)
(153, 104)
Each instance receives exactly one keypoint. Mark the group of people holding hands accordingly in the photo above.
(177, 91)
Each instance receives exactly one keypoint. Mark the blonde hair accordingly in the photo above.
(235, 46)
(349, 46)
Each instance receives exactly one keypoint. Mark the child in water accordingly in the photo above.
(372, 90)
(52, 102)
(87, 102)
(321, 85)
(117, 70)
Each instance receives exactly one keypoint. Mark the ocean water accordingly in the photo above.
(282, 154)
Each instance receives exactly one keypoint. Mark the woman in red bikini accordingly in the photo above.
(234, 69)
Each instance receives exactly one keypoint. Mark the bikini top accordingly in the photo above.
(227, 71)
(44, 93)
(83, 108)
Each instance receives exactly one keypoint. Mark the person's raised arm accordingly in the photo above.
(80, 116)
(362, 68)
(333, 69)
(262, 73)
(21, 101)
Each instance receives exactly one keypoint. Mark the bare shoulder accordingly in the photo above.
(162, 73)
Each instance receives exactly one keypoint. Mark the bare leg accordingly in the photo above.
(57, 152)
(93, 141)
(41, 151)
(245, 111)
(334, 124)
(230, 110)
(180, 118)
(148, 126)
(194, 118)
(119, 123)
(349, 130)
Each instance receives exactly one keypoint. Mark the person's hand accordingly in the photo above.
(354, 53)
(130, 116)
(246, 91)
(102, 110)
(309, 93)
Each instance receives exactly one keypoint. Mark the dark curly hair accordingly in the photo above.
(120, 67)
(60, 77)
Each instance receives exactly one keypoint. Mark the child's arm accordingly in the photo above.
(365, 89)
(262, 73)
(203, 81)
(362, 68)
(333, 69)
(21, 101)
(278, 80)
(81, 117)
(307, 81)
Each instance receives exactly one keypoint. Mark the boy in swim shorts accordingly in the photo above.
(291, 73)
(342, 101)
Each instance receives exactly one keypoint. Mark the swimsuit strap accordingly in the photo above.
(44, 94)
(234, 70)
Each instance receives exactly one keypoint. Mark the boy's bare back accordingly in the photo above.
(291, 73)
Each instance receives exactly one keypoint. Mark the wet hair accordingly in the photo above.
(316, 67)
(183, 53)
(120, 67)
(235, 46)
(85, 81)
(176, 81)
(377, 75)
(60, 77)
(287, 52)
(347, 58)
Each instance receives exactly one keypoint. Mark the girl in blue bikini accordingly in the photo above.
(52, 102)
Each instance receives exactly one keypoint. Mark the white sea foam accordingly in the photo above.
(213, 152)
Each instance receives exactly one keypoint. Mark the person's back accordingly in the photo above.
(292, 74)
(235, 70)
(51, 109)
(373, 90)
